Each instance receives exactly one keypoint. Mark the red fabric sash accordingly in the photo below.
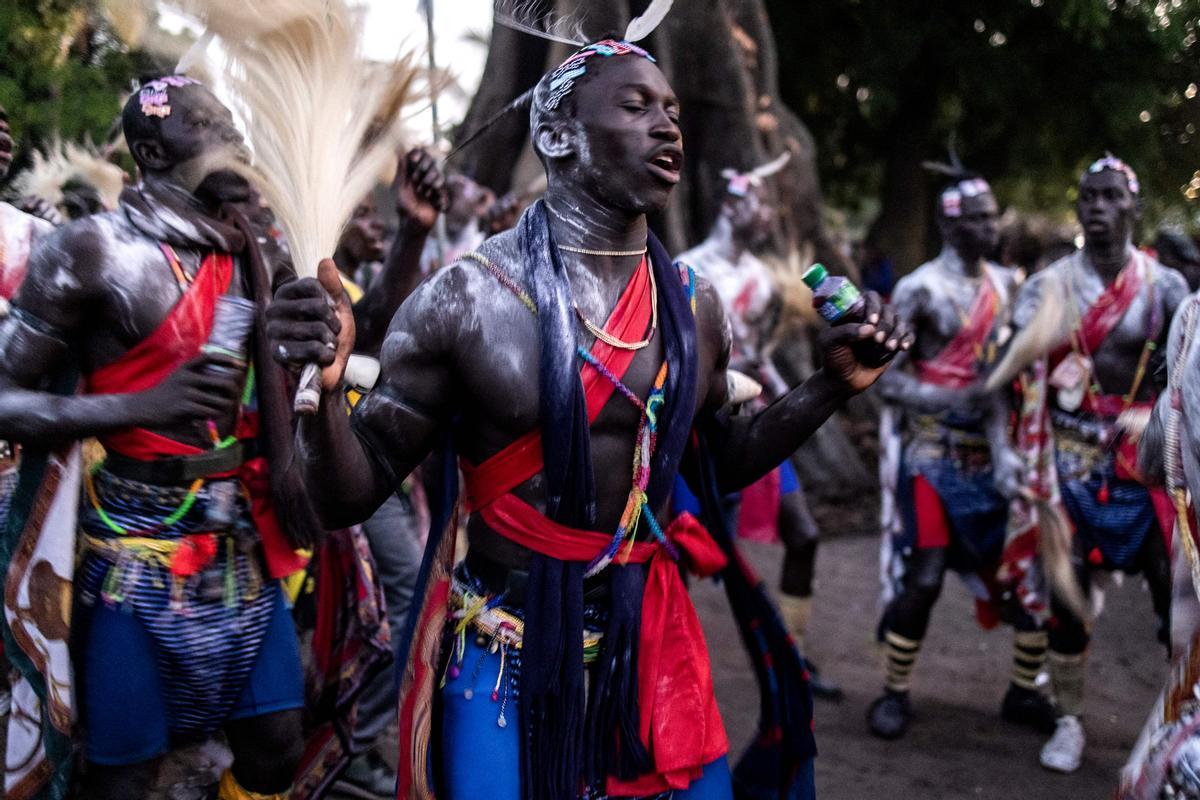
(1106, 312)
(957, 365)
(680, 723)
(521, 460)
(176, 340)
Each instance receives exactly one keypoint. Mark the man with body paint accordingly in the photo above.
(395, 531)
(750, 295)
(946, 464)
(19, 233)
(492, 350)
(1093, 323)
(180, 627)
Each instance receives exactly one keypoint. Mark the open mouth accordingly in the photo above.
(667, 164)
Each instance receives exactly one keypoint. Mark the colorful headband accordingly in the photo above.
(562, 80)
(952, 198)
(739, 184)
(1116, 165)
(154, 98)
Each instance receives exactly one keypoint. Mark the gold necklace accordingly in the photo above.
(620, 344)
(583, 251)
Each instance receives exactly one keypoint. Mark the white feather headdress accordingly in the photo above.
(61, 164)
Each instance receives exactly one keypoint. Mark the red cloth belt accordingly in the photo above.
(176, 340)
(680, 723)
(957, 365)
(522, 459)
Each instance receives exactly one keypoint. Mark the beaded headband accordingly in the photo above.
(1116, 165)
(154, 98)
(952, 198)
(562, 80)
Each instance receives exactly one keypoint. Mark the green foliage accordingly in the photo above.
(1034, 89)
(61, 71)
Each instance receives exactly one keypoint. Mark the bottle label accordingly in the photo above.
(839, 302)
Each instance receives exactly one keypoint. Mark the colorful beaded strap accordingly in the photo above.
(637, 505)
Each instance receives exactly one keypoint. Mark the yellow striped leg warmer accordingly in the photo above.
(901, 654)
(1066, 677)
(1029, 655)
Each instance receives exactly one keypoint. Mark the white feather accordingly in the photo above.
(62, 163)
(641, 27)
(293, 69)
(772, 167)
(524, 16)
(194, 55)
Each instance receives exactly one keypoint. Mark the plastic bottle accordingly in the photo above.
(834, 297)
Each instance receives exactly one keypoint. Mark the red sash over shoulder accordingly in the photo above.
(957, 365)
(680, 723)
(1103, 315)
(522, 459)
(176, 340)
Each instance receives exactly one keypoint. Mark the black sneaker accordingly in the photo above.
(889, 715)
(822, 688)
(368, 777)
(1028, 707)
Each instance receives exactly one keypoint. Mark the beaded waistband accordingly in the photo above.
(483, 614)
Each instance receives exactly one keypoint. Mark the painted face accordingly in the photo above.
(628, 143)
(363, 239)
(6, 144)
(973, 233)
(1106, 208)
(752, 216)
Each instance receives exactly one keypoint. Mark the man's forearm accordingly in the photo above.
(400, 275)
(341, 478)
(750, 447)
(31, 417)
(901, 388)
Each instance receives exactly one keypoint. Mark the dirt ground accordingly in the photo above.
(957, 747)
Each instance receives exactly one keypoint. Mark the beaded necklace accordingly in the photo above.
(637, 505)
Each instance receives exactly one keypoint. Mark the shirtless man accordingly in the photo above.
(1106, 309)
(955, 470)
(19, 233)
(180, 629)
(462, 356)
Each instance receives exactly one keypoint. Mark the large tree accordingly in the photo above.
(1034, 89)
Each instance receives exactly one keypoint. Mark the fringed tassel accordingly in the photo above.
(613, 702)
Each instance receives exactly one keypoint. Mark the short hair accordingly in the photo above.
(147, 107)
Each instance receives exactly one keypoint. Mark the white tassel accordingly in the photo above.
(321, 121)
(641, 27)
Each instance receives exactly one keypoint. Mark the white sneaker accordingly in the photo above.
(1064, 751)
